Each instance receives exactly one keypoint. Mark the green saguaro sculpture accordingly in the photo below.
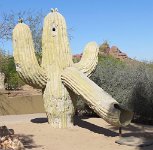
(59, 78)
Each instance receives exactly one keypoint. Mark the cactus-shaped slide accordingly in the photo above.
(61, 79)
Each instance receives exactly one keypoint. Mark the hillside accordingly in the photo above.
(113, 51)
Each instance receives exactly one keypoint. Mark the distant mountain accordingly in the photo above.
(106, 50)
(114, 51)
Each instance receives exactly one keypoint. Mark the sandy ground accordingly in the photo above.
(87, 134)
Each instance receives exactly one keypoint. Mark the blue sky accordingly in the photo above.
(127, 24)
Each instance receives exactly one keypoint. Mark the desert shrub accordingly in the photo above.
(76, 60)
(104, 47)
(12, 78)
(98, 77)
(130, 84)
(82, 109)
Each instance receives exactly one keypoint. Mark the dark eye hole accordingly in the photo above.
(53, 29)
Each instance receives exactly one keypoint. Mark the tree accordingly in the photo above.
(103, 48)
(32, 18)
(7, 23)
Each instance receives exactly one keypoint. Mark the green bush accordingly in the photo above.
(12, 78)
(130, 84)
(107, 66)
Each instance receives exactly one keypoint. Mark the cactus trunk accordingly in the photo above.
(59, 111)
(57, 66)
(57, 101)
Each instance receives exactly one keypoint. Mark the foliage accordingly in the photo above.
(7, 23)
(32, 18)
(3, 61)
(12, 78)
(76, 59)
(130, 84)
(104, 47)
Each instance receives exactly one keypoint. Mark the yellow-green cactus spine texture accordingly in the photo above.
(25, 59)
(56, 56)
(59, 78)
(55, 43)
(89, 59)
(57, 101)
(100, 101)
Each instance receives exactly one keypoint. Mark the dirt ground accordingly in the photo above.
(87, 134)
(25, 90)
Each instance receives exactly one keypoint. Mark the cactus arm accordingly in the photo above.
(89, 59)
(100, 101)
(25, 59)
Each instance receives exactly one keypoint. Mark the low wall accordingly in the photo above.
(21, 105)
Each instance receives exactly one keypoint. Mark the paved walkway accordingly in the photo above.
(11, 119)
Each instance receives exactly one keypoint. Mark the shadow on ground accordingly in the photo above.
(137, 132)
(27, 141)
(134, 130)
(39, 120)
(83, 124)
(94, 128)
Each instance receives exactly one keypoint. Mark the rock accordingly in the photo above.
(116, 53)
(8, 140)
(2, 77)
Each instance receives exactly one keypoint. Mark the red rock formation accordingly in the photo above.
(105, 50)
(77, 56)
(115, 52)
